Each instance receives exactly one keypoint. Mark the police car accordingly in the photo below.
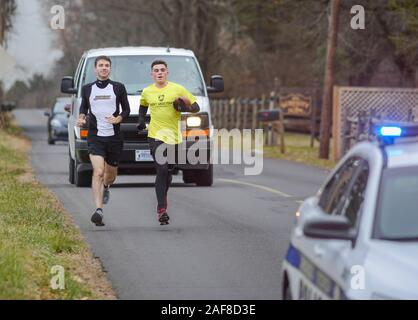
(358, 237)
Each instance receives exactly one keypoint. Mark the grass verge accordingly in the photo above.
(298, 149)
(36, 234)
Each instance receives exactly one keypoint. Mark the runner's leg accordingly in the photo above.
(173, 149)
(110, 173)
(98, 163)
(162, 174)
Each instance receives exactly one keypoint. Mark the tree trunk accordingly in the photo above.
(329, 80)
(2, 21)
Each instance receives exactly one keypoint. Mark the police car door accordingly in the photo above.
(340, 255)
(316, 256)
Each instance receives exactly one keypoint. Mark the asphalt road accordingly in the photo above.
(223, 242)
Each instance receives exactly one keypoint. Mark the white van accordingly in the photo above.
(132, 67)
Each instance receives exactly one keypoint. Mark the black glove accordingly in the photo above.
(180, 105)
(141, 125)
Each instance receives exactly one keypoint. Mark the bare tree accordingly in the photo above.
(7, 10)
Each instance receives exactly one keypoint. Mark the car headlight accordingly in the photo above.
(193, 121)
(56, 123)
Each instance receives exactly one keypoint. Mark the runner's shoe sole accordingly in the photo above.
(164, 219)
(97, 219)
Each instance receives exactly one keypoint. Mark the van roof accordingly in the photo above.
(127, 51)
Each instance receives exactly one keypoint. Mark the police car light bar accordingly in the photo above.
(387, 132)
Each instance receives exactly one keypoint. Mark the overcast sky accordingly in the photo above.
(31, 41)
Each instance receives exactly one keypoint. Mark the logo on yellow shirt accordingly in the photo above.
(161, 97)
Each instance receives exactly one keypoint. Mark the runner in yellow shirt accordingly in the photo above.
(166, 101)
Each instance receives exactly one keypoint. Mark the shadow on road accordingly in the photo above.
(149, 185)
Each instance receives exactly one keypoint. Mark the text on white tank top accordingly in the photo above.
(103, 103)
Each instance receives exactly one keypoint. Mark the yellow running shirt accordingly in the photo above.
(165, 120)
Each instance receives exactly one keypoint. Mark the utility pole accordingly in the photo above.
(2, 32)
(326, 112)
(2, 20)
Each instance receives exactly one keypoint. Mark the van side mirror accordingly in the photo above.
(216, 84)
(67, 85)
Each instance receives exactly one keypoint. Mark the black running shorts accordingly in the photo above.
(110, 148)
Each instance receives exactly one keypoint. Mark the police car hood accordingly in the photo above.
(134, 103)
(393, 266)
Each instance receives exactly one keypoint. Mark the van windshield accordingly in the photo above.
(135, 72)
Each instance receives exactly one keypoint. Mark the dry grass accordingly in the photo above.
(298, 149)
(37, 233)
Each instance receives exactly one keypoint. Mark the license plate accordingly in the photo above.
(143, 155)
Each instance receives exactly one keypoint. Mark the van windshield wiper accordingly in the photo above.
(135, 93)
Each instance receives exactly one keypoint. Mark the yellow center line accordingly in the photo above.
(268, 189)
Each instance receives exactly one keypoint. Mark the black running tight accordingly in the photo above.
(164, 168)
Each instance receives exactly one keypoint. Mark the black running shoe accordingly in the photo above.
(163, 216)
(97, 218)
(106, 195)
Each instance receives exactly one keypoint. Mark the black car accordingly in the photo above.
(58, 120)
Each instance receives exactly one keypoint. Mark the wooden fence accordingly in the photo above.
(241, 113)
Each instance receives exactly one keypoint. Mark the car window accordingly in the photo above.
(78, 73)
(396, 213)
(336, 187)
(354, 199)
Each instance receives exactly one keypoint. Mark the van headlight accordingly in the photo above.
(193, 121)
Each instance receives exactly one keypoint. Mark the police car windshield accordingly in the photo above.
(135, 72)
(397, 210)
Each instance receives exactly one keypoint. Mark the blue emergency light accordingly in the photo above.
(388, 132)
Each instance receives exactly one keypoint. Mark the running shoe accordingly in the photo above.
(97, 218)
(163, 216)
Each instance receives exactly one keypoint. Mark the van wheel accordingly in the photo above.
(204, 177)
(82, 178)
(189, 176)
(71, 169)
